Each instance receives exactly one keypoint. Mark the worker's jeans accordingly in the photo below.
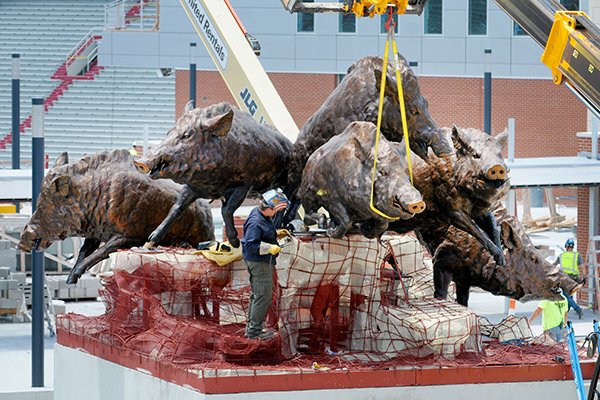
(261, 281)
(571, 300)
(556, 333)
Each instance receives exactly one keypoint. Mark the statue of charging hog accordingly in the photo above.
(356, 98)
(526, 275)
(338, 177)
(103, 199)
(218, 152)
(461, 190)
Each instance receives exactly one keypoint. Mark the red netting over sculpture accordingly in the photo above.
(354, 302)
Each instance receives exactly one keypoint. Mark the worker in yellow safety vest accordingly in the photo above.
(570, 261)
(137, 149)
(554, 317)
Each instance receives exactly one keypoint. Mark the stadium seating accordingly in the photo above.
(107, 108)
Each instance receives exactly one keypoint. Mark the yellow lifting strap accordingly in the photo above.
(390, 25)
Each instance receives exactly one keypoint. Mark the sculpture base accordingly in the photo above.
(95, 371)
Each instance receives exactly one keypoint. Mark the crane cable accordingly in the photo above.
(390, 26)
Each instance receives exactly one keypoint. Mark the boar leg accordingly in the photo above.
(186, 197)
(100, 254)
(373, 228)
(90, 245)
(464, 222)
(441, 281)
(233, 200)
(340, 222)
(463, 290)
(488, 223)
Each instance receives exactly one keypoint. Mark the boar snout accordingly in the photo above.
(28, 240)
(496, 173)
(141, 167)
(416, 208)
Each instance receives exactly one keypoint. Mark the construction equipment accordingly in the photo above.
(360, 8)
(570, 40)
(571, 44)
(593, 250)
(227, 44)
(575, 366)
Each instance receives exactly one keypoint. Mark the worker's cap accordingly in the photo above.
(138, 143)
(274, 197)
(570, 243)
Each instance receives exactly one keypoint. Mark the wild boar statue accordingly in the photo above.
(461, 190)
(356, 98)
(338, 177)
(218, 152)
(103, 199)
(526, 275)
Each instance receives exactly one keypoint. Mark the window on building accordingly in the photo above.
(347, 22)
(384, 18)
(339, 78)
(477, 17)
(571, 5)
(306, 21)
(433, 17)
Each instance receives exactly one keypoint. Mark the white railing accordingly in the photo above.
(76, 53)
(116, 18)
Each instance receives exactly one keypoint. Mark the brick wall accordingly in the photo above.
(302, 94)
(547, 116)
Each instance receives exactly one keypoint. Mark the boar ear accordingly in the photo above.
(507, 235)
(362, 139)
(391, 89)
(189, 106)
(219, 125)
(61, 185)
(63, 159)
(457, 140)
(502, 138)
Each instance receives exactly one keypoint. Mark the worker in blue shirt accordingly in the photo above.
(260, 249)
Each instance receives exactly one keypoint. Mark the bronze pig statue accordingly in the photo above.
(338, 177)
(461, 190)
(526, 275)
(356, 98)
(218, 152)
(102, 198)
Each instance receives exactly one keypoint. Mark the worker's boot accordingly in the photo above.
(579, 312)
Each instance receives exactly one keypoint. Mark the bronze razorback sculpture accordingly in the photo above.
(338, 177)
(461, 190)
(526, 275)
(103, 199)
(218, 152)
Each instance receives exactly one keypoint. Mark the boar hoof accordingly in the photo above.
(499, 258)
(74, 276)
(235, 242)
(322, 222)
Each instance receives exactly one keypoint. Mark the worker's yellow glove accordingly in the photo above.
(274, 249)
(282, 233)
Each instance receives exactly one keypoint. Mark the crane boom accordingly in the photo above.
(571, 44)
